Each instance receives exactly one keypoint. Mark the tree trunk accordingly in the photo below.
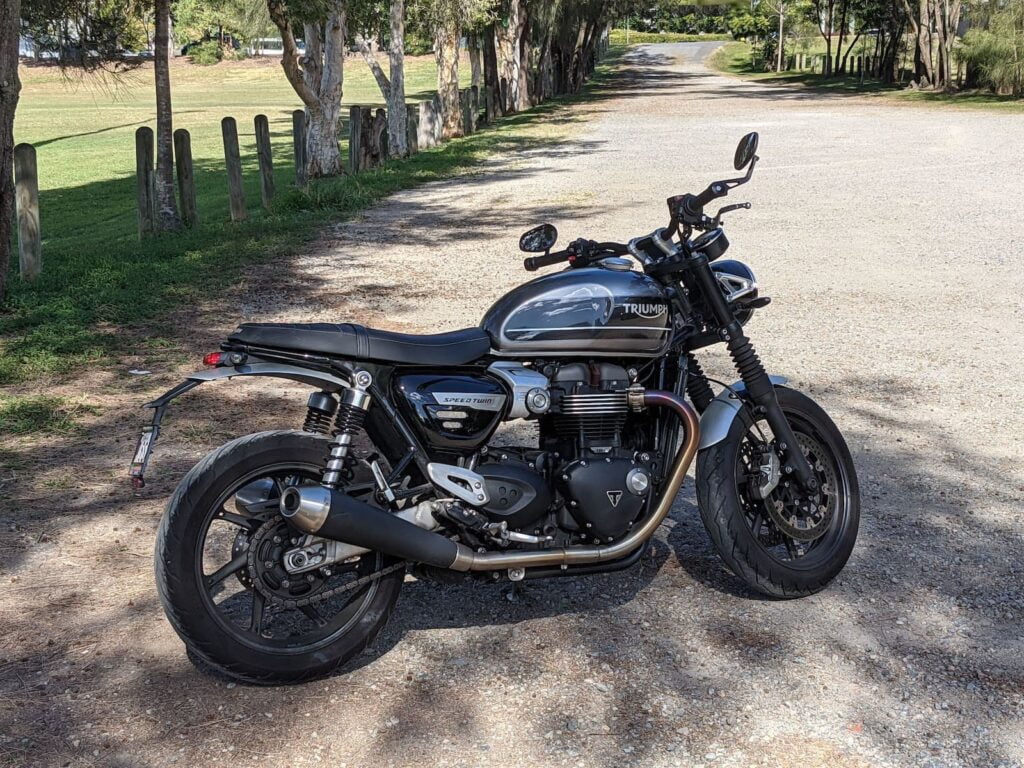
(446, 52)
(318, 82)
(507, 40)
(491, 63)
(778, 58)
(398, 115)
(475, 61)
(525, 91)
(165, 202)
(375, 68)
(10, 88)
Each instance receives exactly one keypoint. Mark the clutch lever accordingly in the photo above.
(718, 216)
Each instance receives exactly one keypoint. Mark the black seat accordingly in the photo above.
(356, 342)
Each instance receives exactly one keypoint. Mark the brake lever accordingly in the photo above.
(718, 216)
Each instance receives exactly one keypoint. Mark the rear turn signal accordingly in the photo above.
(212, 359)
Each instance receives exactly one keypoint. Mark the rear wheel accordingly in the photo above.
(789, 543)
(221, 577)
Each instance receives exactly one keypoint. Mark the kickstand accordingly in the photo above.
(516, 592)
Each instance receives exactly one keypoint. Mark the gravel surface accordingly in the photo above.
(890, 239)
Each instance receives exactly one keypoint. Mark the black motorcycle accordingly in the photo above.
(281, 554)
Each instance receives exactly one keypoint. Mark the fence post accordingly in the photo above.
(144, 179)
(233, 161)
(266, 159)
(412, 127)
(186, 177)
(503, 97)
(489, 104)
(299, 145)
(467, 120)
(425, 128)
(26, 195)
(380, 137)
(474, 105)
(355, 139)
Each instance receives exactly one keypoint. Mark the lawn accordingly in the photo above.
(101, 290)
(734, 58)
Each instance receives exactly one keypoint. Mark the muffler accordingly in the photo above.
(336, 515)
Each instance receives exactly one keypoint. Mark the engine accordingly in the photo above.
(604, 480)
(588, 480)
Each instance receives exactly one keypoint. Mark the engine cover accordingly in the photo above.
(605, 494)
(519, 495)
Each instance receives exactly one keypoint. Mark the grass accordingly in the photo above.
(618, 37)
(40, 414)
(101, 291)
(734, 58)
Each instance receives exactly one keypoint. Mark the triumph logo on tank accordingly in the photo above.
(469, 400)
(646, 309)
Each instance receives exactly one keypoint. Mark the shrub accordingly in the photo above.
(206, 53)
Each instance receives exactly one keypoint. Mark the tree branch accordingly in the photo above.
(290, 53)
(375, 68)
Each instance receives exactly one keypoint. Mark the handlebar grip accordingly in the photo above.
(533, 263)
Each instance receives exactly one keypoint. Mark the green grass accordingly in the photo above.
(101, 291)
(618, 37)
(40, 414)
(734, 58)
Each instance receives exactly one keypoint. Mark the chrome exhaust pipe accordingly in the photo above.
(336, 515)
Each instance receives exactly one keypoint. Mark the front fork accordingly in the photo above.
(753, 374)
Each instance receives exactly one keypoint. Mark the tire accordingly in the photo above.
(726, 518)
(212, 638)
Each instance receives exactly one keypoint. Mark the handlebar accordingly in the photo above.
(533, 263)
(579, 253)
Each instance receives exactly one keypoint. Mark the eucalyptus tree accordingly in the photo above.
(10, 88)
(366, 20)
(317, 77)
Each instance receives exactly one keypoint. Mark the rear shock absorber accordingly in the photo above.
(320, 410)
(697, 386)
(347, 422)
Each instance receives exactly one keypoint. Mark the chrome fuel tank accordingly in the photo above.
(590, 311)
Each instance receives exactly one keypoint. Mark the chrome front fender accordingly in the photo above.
(718, 417)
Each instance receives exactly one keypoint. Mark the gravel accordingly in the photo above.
(889, 237)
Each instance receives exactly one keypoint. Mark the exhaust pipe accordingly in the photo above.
(335, 515)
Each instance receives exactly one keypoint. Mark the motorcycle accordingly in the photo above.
(281, 554)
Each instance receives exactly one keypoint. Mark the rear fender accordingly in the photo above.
(723, 410)
(150, 433)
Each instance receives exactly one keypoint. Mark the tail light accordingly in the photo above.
(213, 359)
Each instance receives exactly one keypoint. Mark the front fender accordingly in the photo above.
(719, 415)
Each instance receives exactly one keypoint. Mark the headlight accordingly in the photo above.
(738, 283)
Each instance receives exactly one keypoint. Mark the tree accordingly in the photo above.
(10, 88)
(366, 18)
(166, 204)
(317, 77)
(398, 134)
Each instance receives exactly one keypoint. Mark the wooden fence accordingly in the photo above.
(368, 148)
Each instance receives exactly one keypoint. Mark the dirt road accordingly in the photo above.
(890, 240)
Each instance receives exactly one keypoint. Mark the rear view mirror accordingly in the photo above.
(540, 239)
(745, 151)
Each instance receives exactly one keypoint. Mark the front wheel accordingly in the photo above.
(220, 569)
(783, 542)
